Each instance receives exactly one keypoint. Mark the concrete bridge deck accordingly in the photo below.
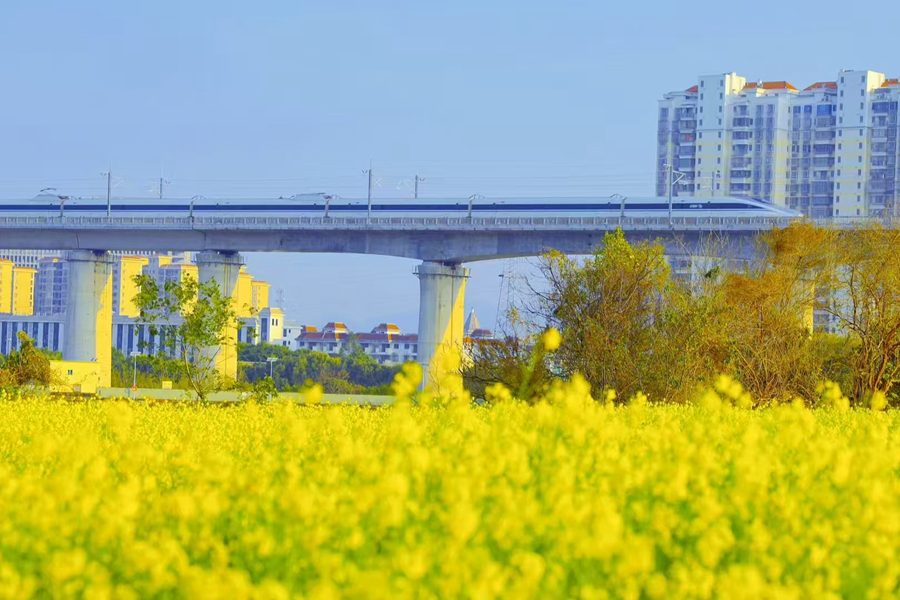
(446, 240)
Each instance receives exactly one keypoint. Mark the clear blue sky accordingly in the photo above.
(276, 97)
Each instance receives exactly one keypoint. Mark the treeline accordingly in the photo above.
(353, 373)
(628, 325)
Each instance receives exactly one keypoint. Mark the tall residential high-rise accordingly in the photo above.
(6, 286)
(23, 290)
(51, 286)
(125, 269)
(260, 295)
(16, 288)
(27, 258)
(828, 150)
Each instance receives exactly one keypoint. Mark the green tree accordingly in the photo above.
(864, 303)
(194, 321)
(509, 361)
(625, 324)
(26, 366)
(294, 370)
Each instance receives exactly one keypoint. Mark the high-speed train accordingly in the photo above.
(319, 205)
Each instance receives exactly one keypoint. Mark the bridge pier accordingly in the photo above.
(88, 333)
(223, 268)
(442, 292)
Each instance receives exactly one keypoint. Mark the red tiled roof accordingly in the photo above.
(692, 90)
(890, 82)
(321, 335)
(771, 85)
(822, 85)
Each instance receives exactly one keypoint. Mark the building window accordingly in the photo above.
(720, 135)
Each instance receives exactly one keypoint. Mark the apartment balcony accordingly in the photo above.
(742, 122)
(687, 124)
(883, 147)
(741, 162)
(823, 187)
(825, 122)
(740, 174)
(823, 149)
(881, 186)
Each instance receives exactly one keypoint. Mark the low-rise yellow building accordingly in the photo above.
(75, 376)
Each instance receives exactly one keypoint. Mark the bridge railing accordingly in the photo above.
(406, 223)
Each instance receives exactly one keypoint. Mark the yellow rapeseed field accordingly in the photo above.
(571, 498)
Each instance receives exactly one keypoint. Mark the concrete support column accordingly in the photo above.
(442, 294)
(88, 333)
(224, 269)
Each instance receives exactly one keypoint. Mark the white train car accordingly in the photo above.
(318, 205)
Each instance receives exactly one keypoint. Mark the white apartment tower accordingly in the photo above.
(830, 149)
